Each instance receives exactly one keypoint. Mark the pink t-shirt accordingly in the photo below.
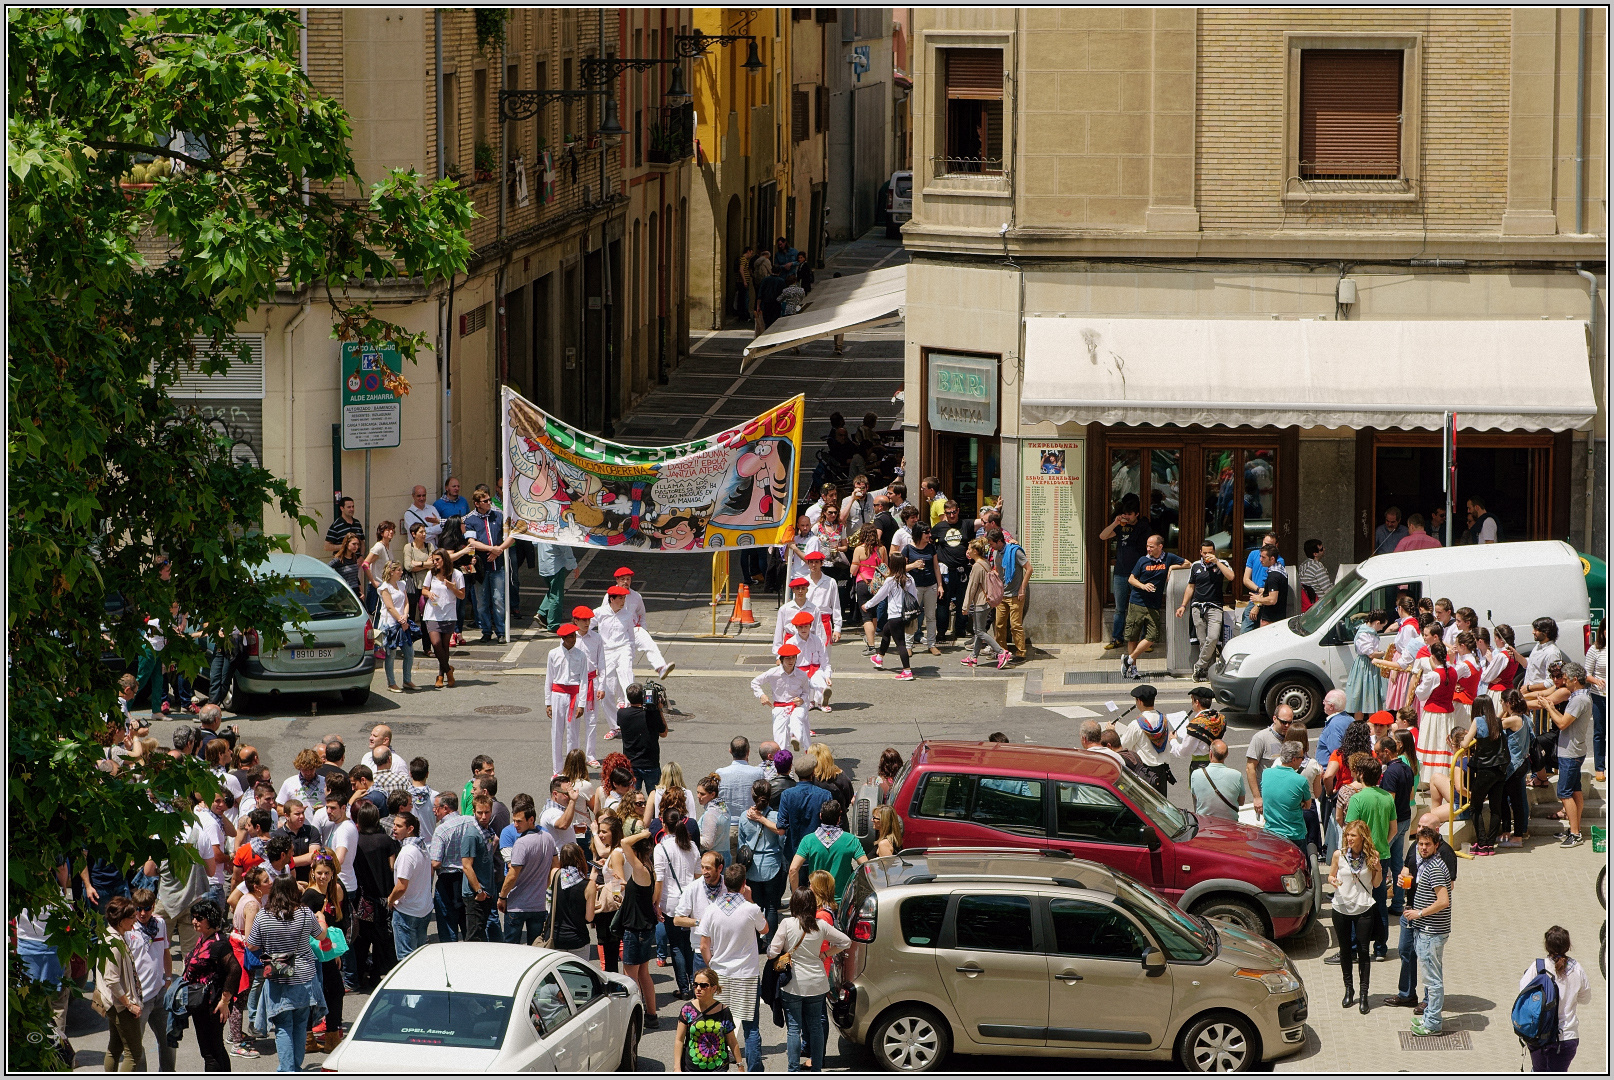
(1417, 542)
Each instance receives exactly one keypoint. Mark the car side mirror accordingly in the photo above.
(616, 990)
(1154, 962)
(1152, 838)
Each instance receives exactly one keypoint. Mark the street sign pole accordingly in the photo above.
(367, 491)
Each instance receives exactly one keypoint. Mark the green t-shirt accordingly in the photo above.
(839, 859)
(1376, 807)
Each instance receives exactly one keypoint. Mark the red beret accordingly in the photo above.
(788, 649)
(798, 582)
(617, 590)
(814, 556)
(802, 618)
(581, 612)
(566, 629)
(623, 571)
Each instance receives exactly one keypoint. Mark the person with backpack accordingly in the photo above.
(1544, 1013)
(982, 594)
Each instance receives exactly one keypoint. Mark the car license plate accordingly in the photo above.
(313, 654)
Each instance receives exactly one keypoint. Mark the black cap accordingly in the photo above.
(1202, 693)
(1144, 690)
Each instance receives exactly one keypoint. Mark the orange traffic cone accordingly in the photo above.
(742, 608)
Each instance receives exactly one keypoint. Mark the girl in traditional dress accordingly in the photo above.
(1364, 689)
(1437, 687)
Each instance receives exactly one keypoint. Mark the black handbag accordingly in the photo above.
(776, 977)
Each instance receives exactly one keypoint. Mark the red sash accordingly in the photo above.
(810, 669)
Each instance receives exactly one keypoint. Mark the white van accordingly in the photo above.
(1297, 661)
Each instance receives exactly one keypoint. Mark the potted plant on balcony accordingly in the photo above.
(486, 161)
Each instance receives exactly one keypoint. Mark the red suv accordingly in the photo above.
(996, 795)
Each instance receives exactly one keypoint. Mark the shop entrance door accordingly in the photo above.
(968, 468)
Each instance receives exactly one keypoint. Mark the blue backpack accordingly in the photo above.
(1535, 1010)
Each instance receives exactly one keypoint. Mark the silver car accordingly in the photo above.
(1038, 954)
(334, 651)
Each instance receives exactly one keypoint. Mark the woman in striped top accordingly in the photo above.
(290, 1001)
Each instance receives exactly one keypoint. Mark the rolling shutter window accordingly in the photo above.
(975, 74)
(820, 109)
(240, 381)
(973, 82)
(1350, 114)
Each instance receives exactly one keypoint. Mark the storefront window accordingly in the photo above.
(1239, 512)
(1165, 470)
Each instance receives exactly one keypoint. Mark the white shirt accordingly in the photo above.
(781, 625)
(901, 599)
(1448, 634)
(1487, 533)
(441, 603)
(824, 598)
(901, 539)
(311, 794)
(399, 601)
(693, 903)
(632, 607)
(346, 835)
(815, 511)
(776, 684)
(795, 565)
(379, 557)
(1597, 668)
(147, 952)
(398, 764)
(614, 627)
(1134, 739)
(1493, 666)
(730, 926)
(1113, 756)
(1573, 990)
(811, 644)
(213, 829)
(1543, 656)
(549, 820)
(426, 515)
(675, 869)
(594, 645)
(414, 868)
(567, 667)
(1408, 640)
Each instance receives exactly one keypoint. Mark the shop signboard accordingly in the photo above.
(1052, 528)
(962, 394)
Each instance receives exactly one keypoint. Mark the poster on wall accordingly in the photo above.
(1052, 528)
(736, 489)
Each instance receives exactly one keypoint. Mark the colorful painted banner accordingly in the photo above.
(736, 489)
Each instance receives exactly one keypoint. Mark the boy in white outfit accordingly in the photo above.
(789, 691)
(566, 683)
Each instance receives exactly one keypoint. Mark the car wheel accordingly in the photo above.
(1220, 1042)
(911, 1039)
(237, 700)
(1238, 912)
(357, 696)
(630, 1048)
(1300, 692)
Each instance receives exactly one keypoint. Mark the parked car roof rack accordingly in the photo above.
(1046, 853)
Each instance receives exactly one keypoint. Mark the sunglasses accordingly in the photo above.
(702, 985)
(145, 907)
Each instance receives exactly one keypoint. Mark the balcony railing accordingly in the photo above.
(967, 166)
(672, 135)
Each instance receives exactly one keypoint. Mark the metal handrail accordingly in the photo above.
(1456, 807)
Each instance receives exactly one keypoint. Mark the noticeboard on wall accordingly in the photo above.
(1052, 507)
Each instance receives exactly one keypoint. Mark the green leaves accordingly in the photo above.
(108, 285)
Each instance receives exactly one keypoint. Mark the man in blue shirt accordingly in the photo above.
(484, 531)
(452, 504)
(1255, 577)
(799, 805)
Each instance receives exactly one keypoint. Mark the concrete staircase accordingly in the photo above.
(1543, 803)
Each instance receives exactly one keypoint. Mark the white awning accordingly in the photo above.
(1502, 375)
(853, 302)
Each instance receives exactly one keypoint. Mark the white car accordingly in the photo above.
(898, 203)
(473, 1006)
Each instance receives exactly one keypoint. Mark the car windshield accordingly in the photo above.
(1156, 809)
(1325, 611)
(1180, 936)
(436, 1018)
(322, 597)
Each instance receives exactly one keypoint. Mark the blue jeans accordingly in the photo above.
(1398, 857)
(805, 1020)
(490, 602)
(291, 1038)
(409, 932)
(1123, 590)
(408, 653)
(1407, 984)
(683, 952)
(220, 671)
(450, 906)
(649, 778)
(752, 1030)
(524, 927)
(1431, 958)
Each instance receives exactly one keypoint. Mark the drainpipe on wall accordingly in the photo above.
(1580, 140)
(1600, 392)
(291, 386)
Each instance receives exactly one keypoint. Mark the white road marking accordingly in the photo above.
(1074, 712)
